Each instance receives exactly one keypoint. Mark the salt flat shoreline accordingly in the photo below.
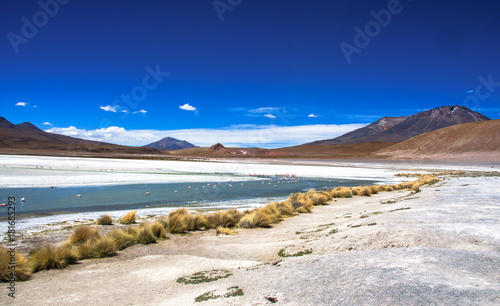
(439, 246)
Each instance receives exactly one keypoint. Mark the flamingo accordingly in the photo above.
(78, 195)
(175, 191)
(147, 193)
(23, 200)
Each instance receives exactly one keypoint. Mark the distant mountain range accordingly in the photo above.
(25, 137)
(443, 132)
(169, 143)
(397, 129)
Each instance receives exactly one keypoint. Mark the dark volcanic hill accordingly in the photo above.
(25, 137)
(397, 129)
(359, 135)
(169, 143)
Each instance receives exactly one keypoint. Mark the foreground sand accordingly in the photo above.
(439, 246)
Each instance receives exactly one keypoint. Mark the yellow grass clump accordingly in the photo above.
(145, 236)
(180, 221)
(272, 212)
(341, 192)
(365, 191)
(199, 222)
(105, 220)
(255, 219)
(82, 234)
(129, 218)
(123, 239)
(51, 257)
(224, 231)
(156, 229)
(220, 218)
(104, 247)
(13, 266)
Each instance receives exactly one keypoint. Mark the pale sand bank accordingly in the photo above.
(439, 246)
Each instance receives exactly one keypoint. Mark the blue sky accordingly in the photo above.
(242, 72)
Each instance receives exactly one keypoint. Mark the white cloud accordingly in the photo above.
(187, 107)
(142, 111)
(21, 104)
(265, 136)
(261, 110)
(270, 116)
(469, 91)
(312, 116)
(47, 123)
(34, 106)
(109, 108)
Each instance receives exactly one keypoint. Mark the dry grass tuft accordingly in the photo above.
(105, 220)
(221, 218)
(22, 269)
(123, 239)
(285, 208)
(82, 234)
(224, 231)
(255, 219)
(199, 222)
(180, 221)
(156, 229)
(272, 212)
(341, 192)
(365, 191)
(145, 236)
(51, 257)
(129, 218)
(104, 247)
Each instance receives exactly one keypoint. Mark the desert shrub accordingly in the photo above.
(122, 238)
(224, 231)
(82, 234)
(129, 218)
(157, 230)
(415, 187)
(105, 220)
(255, 219)
(374, 189)
(365, 191)
(104, 247)
(145, 236)
(220, 218)
(272, 212)
(51, 257)
(285, 208)
(236, 215)
(163, 220)
(341, 192)
(180, 221)
(199, 222)
(22, 269)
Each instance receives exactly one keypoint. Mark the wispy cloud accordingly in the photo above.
(312, 116)
(34, 106)
(187, 107)
(265, 136)
(142, 111)
(23, 104)
(469, 91)
(47, 123)
(109, 108)
(270, 116)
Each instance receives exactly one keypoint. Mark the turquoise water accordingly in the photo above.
(108, 198)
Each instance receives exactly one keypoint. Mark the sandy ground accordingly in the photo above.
(439, 246)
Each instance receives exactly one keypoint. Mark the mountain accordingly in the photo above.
(169, 143)
(476, 141)
(359, 135)
(397, 129)
(27, 138)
